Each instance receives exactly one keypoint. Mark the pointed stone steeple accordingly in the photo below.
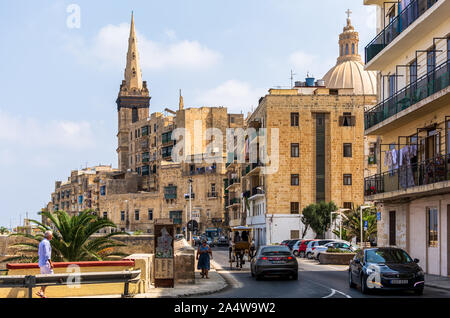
(133, 75)
(181, 103)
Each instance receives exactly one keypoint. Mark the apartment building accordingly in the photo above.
(411, 123)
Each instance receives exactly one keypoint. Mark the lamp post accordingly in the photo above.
(340, 220)
(361, 222)
(190, 209)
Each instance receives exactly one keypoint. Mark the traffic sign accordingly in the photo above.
(366, 224)
(192, 225)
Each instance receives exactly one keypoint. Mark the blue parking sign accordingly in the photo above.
(378, 216)
(365, 225)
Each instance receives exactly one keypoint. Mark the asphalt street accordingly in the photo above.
(315, 281)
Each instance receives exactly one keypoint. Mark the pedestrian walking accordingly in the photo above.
(204, 254)
(45, 255)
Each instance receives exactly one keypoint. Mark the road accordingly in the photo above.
(315, 280)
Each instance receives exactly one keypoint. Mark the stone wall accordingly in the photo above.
(184, 263)
(336, 258)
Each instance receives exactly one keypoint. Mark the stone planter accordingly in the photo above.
(336, 258)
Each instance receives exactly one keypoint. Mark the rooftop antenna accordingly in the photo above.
(292, 77)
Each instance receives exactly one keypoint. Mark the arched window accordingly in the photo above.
(346, 49)
(134, 115)
(342, 50)
(353, 48)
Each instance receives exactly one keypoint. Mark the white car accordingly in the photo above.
(313, 245)
(342, 245)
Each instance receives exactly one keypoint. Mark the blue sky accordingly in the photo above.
(59, 84)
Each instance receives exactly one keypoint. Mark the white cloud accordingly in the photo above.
(236, 95)
(32, 134)
(109, 47)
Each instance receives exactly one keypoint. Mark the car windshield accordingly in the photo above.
(275, 250)
(387, 256)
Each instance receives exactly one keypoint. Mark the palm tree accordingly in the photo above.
(3, 230)
(73, 238)
(344, 235)
(353, 224)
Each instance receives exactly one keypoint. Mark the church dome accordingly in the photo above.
(349, 70)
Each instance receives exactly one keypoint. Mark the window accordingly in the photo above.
(295, 180)
(347, 120)
(144, 131)
(295, 234)
(134, 115)
(102, 190)
(353, 48)
(348, 205)
(346, 49)
(295, 208)
(213, 187)
(136, 215)
(122, 215)
(294, 150)
(431, 60)
(347, 150)
(432, 227)
(105, 215)
(347, 179)
(391, 84)
(150, 214)
(294, 119)
(413, 71)
(392, 228)
(342, 50)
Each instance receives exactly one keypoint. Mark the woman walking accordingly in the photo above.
(204, 254)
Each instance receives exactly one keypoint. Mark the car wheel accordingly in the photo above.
(302, 254)
(351, 284)
(308, 255)
(295, 253)
(418, 292)
(364, 288)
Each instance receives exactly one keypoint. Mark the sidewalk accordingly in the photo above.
(202, 286)
(436, 281)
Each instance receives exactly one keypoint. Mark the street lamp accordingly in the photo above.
(190, 210)
(340, 220)
(361, 221)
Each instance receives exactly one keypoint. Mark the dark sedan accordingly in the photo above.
(274, 260)
(385, 268)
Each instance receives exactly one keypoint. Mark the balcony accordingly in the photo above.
(255, 168)
(399, 24)
(200, 171)
(232, 201)
(423, 87)
(232, 183)
(255, 193)
(429, 176)
(170, 192)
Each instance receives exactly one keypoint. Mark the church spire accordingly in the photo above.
(133, 75)
(181, 103)
(348, 42)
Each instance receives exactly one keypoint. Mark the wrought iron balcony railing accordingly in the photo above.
(401, 22)
(413, 93)
(407, 176)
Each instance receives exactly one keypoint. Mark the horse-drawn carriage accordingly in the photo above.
(240, 245)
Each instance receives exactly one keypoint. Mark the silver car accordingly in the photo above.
(342, 245)
(274, 260)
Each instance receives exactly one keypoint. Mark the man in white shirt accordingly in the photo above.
(45, 255)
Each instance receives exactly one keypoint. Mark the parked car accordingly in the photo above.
(274, 260)
(196, 240)
(342, 245)
(285, 242)
(299, 248)
(391, 268)
(291, 244)
(222, 241)
(312, 246)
